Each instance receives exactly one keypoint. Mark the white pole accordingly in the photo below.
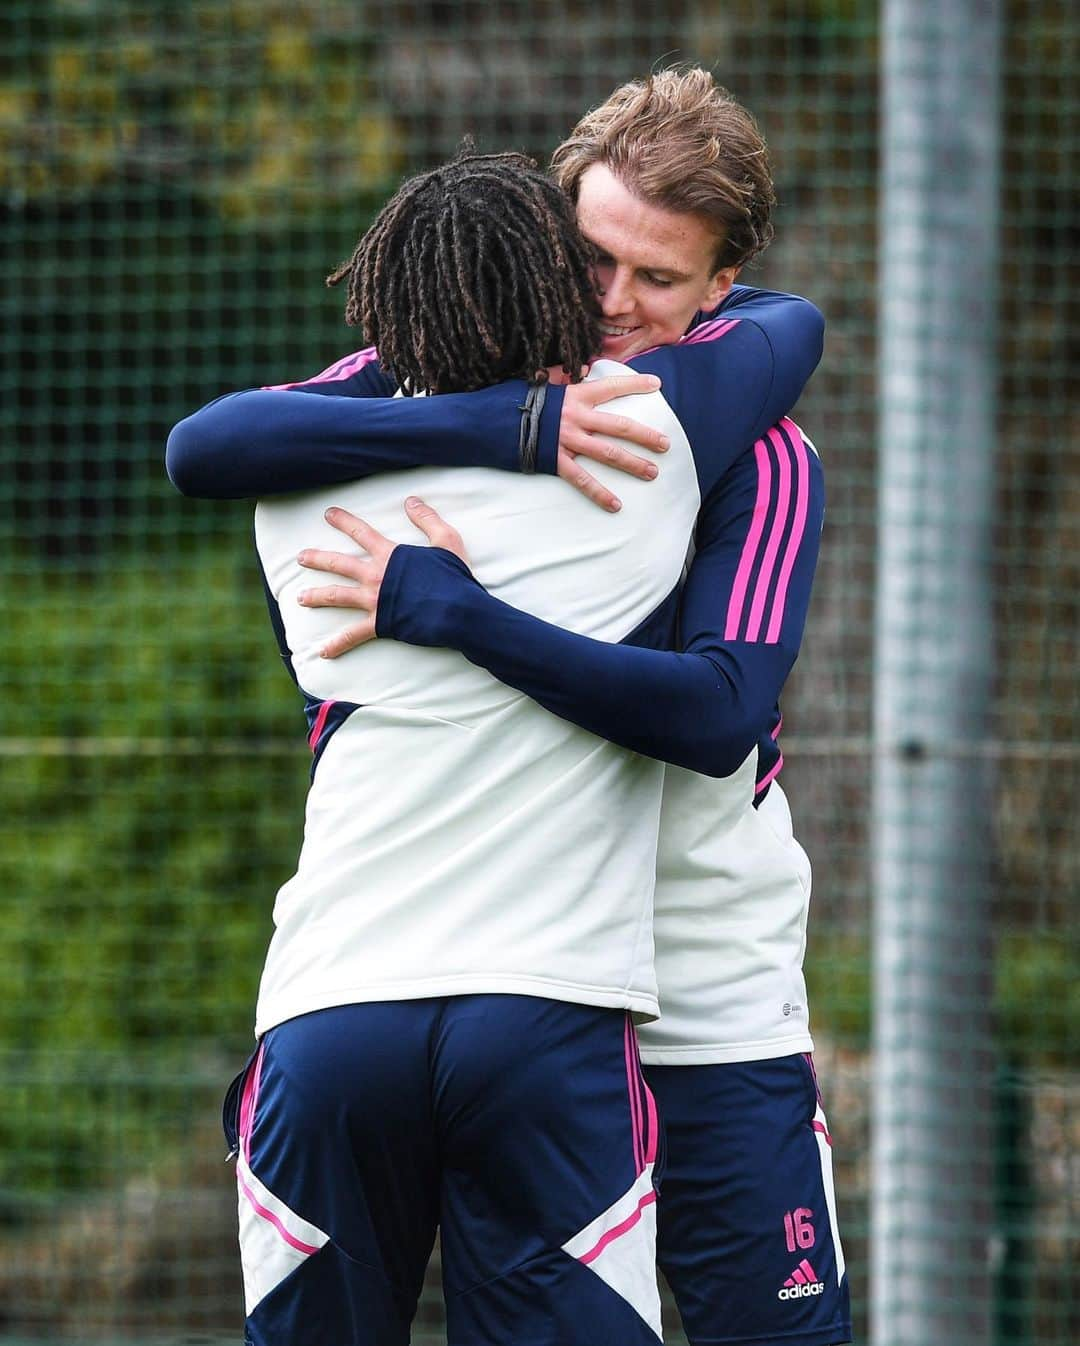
(931, 1170)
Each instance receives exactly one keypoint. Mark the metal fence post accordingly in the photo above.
(931, 1169)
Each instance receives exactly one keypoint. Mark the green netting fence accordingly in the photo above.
(175, 182)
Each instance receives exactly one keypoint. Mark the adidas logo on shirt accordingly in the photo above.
(802, 1283)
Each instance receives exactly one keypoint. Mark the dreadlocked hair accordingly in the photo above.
(473, 273)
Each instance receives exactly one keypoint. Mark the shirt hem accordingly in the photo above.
(711, 1054)
(643, 1007)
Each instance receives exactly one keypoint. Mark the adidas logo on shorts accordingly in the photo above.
(802, 1283)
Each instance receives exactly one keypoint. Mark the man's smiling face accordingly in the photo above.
(657, 267)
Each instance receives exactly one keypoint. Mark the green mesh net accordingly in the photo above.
(175, 182)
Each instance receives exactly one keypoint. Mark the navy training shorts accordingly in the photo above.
(520, 1126)
(747, 1235)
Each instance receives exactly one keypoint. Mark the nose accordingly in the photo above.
(614, 289)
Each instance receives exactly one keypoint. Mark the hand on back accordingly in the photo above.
(587, 432)
(365, 572)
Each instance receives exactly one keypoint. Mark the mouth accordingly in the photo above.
(616, 339)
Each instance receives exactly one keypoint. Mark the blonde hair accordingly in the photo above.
(680, 141)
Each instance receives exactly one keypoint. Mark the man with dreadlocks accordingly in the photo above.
(663, 188)
(510, 297)
(444, 1017)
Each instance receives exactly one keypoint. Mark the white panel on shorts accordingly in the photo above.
(821, 1134)
(620, 1247)
(274, 1240)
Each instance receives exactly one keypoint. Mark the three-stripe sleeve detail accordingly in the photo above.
(777, 527)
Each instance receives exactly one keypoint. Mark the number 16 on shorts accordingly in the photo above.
(798, 1229)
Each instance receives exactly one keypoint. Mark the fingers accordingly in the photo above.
(336, 562)
(621, 385)
(580, 418)
(622, 427)
(434, 527)
(365, 596)
(361, 533)
(357, 634)
(603, 450)
(571, 471)
(366, 571)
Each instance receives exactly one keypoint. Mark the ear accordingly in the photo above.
(718, 286)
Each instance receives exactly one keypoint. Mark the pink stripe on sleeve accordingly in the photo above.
(712, 330)
(798, 528)
(776, 533)
(749, 551)
(340, 369)
(358, 360)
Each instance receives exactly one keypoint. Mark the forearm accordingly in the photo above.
(269, 442)
(700, 711)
